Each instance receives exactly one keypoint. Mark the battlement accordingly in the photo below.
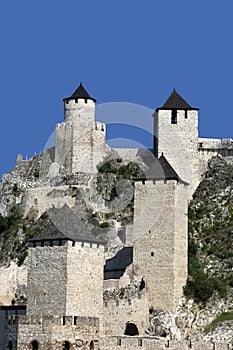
(48, 320)
(100, 126)
(155, 343)
(214, 144)
(81, 101)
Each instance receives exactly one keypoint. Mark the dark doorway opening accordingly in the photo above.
(35, 345)
(66, 345)
(10, 345)
(131, 329)
(92, 345)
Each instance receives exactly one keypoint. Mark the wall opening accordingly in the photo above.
(10, 345)
(65, 345)
(34, 345)
(92, 346)
(131, 329)
(174, 116)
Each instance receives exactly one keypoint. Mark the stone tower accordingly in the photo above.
(65, 276)
(80, 143)
(176, 136)
(160, 248)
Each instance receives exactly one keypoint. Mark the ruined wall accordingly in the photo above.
(117, 313)
(160, 246)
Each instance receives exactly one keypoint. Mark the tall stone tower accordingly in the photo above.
(176, 136)
(80, 141)
(160, 248)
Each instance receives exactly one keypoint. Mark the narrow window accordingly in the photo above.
(140, 342)
(174, 116)
(119, 341)
(92, 345)
(186, 114)
(10, 345)
(152, 253)
(64, 320)
(75, 320)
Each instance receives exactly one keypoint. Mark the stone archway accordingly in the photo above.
(131, 329)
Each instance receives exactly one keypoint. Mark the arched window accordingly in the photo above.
(131, 329)
(92, 345)
(66, 345)
(34, 345)
(10, 345)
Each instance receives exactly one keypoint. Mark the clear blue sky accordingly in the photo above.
(125, 50)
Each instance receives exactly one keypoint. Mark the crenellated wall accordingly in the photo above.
(118, 312)
(52, 331)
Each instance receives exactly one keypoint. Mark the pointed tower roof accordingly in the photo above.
(80, 92)
(175, 101)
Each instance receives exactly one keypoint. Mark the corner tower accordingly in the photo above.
(176, 136)
(80, 142)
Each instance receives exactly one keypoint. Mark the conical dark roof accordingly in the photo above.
(175, 101)
(80, 92)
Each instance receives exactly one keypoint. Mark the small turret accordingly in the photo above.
(176, 136)
(79, 104)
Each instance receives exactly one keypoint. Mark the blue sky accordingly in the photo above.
(122, 51)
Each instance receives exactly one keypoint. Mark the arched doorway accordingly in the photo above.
(10, 345)
(66, 345)
(92, 345)
(34, 345)
(131, 329)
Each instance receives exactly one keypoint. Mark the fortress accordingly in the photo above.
(79, 295)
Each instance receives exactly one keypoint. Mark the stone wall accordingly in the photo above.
(51, 331)
(154, 343)
(47, 279)
(84, 287)
(117, 313)
(160, 247)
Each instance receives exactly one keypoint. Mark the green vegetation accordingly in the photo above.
(210, 226)
(225, 316)
(105, 224)
(14, 232)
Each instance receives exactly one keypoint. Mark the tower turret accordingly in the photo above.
(79, 105)
(176, 136)
(80, 142)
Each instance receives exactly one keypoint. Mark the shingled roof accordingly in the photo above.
(175, 101)
(80, 92)
(160, 169)
(65, 224)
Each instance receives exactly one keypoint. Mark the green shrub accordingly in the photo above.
(105, 224)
